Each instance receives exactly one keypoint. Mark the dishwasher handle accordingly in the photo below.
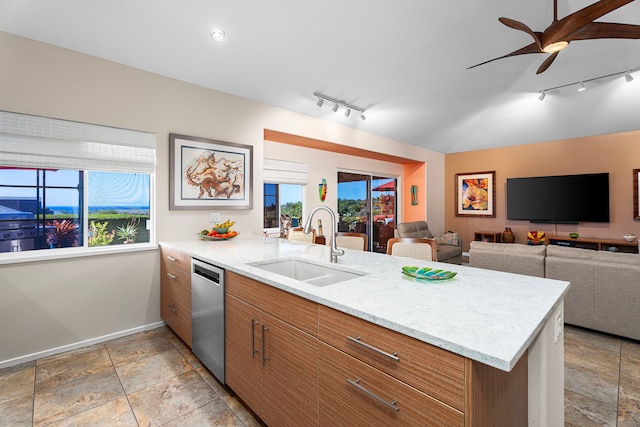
(208, 273)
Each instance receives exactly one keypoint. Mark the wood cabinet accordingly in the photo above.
(295, 362)
(175, 292)
(487, 236)
(272, 351)
(597, 244)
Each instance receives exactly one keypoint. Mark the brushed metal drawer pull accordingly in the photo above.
(170, 258)
(372, 348)
(264, 358)
(173, 308)
(253, 337)
(172, 276)
(356, 384)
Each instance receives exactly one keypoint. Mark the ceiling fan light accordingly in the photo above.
(628, 77)
(555, 47)
(581, 87)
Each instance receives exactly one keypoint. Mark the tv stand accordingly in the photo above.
(597, 244)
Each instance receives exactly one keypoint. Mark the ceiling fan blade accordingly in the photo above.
(547, 62)
(532, 48)
(560, 30)
(605, 30)
(517, 25)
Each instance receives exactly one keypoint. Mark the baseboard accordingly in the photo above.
(77, 345)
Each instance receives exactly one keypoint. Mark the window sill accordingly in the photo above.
(66, 253)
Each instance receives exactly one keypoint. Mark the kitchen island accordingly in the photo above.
(490, 318)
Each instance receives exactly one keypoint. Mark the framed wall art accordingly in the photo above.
(636, 195)
(475, 194)
(209, 174)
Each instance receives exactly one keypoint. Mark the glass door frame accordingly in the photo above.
(374, 238)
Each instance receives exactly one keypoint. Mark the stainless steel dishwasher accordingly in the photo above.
(207, 307)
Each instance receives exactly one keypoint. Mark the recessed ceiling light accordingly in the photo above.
(217, 34)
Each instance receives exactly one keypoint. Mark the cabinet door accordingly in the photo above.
(290, 377)
(243, 352)
(175, 293)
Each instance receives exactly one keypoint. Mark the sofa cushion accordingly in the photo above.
(509, 257)
(600, 256)
(415, 229)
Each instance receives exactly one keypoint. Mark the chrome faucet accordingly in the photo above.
(335, 252)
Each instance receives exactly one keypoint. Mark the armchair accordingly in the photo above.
(449, 250)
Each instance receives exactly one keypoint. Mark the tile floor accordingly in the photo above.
(152, 379)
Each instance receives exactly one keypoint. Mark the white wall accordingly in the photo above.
(44, 305)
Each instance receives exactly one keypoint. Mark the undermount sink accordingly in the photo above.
(314, 274)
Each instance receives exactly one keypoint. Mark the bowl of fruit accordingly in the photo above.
(219, 231)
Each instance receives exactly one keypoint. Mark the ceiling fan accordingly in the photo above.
(579, 25)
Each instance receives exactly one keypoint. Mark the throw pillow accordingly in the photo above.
(449, 238)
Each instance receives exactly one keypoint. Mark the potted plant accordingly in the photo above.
(128, 232)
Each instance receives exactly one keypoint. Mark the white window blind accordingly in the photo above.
(34, 141)
(285, 172)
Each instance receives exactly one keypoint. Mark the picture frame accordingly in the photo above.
(475, 194)
(636, 195)
(209, 174)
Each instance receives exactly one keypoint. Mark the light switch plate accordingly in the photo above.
(214, 217)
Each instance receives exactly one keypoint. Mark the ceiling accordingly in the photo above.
(403, 61)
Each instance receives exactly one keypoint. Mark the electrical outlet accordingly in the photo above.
(558, 326)
(214, 217)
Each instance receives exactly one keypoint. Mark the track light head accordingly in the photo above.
(581, 87)
(347, 112)
(362, 117)
(542, 95)
(628, 77)
(320, 102)
(335, 107)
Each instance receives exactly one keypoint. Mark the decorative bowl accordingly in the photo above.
(629, 237)
(221, 230)
(427, 273)
(573, 235)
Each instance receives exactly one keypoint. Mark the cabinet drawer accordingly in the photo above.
(175, 262)
(432, 370)
(292, 309)
(354, 393)
(177, 316)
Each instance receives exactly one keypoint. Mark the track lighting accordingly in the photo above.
(337, 104)
(627, 76)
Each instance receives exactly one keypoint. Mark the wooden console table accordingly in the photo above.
(487, 236)
(597, 244)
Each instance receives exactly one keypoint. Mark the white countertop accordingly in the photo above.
(488, 316)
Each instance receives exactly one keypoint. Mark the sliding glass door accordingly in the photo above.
(367, 204)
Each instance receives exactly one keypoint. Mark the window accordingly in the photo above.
(284, 183)
(282, 199)
(73, 185)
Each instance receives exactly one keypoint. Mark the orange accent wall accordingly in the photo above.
(414, 174)
(618, 154)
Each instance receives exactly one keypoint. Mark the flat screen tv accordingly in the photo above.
(559, 199)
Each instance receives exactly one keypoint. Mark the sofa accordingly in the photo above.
(605, 286)
(509, 257)
(449, 244)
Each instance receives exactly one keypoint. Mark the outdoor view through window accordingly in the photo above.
(46, 208)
